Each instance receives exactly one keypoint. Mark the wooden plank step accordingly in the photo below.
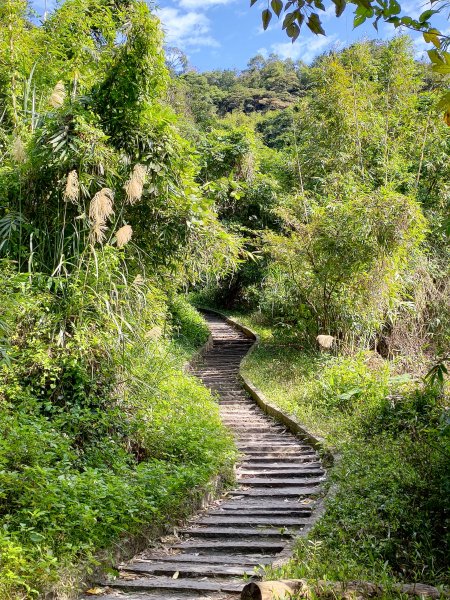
(219, 559)
(286, 452)
(261, 482)
(262, 506)
(237, 521)
(269, 514)
(276, 505)
(161, 595)
(274, 466)
(168, 583)
(233, 546)
(282, 472)
(279, 446)
(190, 569)
(265, 460)
(274, 492)
(239, 532)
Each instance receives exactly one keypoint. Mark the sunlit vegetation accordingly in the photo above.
(102, 222)
(343, 200)
(313, 198)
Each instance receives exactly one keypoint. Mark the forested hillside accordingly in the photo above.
(308, 199)
(341, 196)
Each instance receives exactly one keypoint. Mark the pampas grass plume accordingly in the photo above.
(135, 185)
(123, 235)
(138, 280)
(18, 151)
(97, 233)
(101, 206)
(72, 191)
(58, 95)
(100, 209)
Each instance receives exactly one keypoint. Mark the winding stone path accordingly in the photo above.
(278, 478)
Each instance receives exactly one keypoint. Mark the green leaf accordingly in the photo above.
(394, 7)
(266, 17)
(293, 31)
(443, 69)
(432, 36)
(252, 2)
(315, 24)
(435, 57)
(365, 3)
(340, 6)
(350, 394)
(444, 102)
(277, 6)
(358, 20)
(289, 18)
(426, 15)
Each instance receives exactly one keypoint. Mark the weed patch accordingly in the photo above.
(387, 512)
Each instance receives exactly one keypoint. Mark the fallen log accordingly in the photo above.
(352, 590)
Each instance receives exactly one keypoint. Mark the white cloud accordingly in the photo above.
(413, 8)
(203, 4)
(330, 13)
(186, 30)
(264, 52)
(303, 49)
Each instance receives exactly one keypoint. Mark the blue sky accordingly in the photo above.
(219, 34)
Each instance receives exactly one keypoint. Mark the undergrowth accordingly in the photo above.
(102, 434)
(386, 514)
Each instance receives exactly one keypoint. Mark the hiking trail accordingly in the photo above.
(279, 477)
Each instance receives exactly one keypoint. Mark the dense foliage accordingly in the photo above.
(316, 195)
(103, 436)
(387, 513)
(342, 196)
(343, 199)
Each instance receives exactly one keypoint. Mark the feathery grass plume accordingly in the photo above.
(138, 280)
(72, 191)
(123, 235)
(135, 185)
(101, 206)
(97, 232)
(18, 151)
(154, 333)
(58, 95)
(100, 209)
